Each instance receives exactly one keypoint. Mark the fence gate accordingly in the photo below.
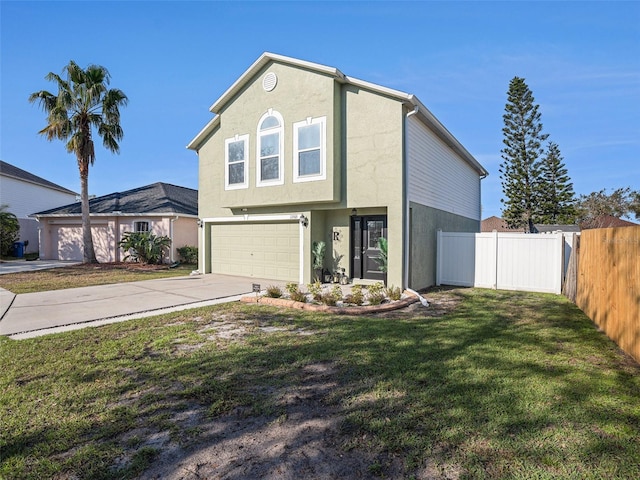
(504, 261)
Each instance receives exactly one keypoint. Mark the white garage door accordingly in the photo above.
(67, 242)
(262, 250)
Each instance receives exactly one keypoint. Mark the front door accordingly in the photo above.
(365, 233)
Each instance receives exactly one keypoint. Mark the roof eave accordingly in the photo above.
(114, 214)
(199, 139)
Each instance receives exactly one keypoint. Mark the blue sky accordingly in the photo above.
(174, 59)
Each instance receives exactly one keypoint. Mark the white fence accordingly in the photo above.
(504, 261)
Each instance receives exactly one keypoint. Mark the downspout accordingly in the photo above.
(405, 189)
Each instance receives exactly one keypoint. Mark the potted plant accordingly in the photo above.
(318, 252)
(383, 258)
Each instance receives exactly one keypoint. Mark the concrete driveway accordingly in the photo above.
(33, 314)
(22, 265)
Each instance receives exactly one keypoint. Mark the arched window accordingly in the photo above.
(269, 170)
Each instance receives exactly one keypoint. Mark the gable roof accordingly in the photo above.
(498, 224)
(410, 100)
(606, 221)
(11, 171)
(157, 198)
(540, 228)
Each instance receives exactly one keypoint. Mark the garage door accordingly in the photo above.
(67, 241)
(262, 250)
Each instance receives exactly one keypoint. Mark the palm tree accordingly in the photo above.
(83, 103)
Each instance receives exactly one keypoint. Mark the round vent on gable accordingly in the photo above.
(269, 81)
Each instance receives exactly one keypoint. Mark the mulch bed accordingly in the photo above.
(129, 266)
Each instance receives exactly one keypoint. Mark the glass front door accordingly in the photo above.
(365, 252)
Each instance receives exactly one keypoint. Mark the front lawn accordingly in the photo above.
(85, 275)
(502, 385)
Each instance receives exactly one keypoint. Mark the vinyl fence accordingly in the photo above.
(608, 283)
(504, 261)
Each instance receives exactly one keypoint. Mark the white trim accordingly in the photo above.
(202, 135)
(270, 131)
(245, 140)
(297, 178)
(255, 218)
(301, 250)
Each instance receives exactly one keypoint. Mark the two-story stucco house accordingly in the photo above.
(25, 193)
(298, 152)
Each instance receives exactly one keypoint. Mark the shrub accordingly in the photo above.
(356, 296)
(144, 247)
(332, 297)
(9, 228)
(394, 293)
(376, 293)
(315, 289)
(375, 288)
(328, 299)
(273, 291)
(295, 294)
(188, 254)
(336, 292)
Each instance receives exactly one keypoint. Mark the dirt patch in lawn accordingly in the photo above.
(306, 439)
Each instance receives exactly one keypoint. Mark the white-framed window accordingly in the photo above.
(236, 161)
(142, 226)
(309, 150)
(270, 149)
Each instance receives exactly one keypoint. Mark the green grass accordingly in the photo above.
(508, 385)
(86, 275)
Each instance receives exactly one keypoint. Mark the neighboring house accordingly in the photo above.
(25, 193)
(161, 208)
(498, 224)
(299, 152)
(555, 228)
(606, 221)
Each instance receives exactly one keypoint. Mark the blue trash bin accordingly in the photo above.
(18, 249)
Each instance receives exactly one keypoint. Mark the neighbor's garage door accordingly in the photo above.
(262, 250)
(67, 241)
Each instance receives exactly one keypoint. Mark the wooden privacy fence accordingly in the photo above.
(608, 284)
(505, 261)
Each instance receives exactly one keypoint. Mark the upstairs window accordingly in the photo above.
(236, 154)
(270, 149)
(309, 140)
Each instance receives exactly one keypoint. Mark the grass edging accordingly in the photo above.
(361, 310)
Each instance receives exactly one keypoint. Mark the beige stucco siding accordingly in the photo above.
(373, 173)
(298, 95)
(61, 238)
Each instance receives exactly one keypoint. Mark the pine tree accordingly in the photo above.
(557, 200)
(520, 171)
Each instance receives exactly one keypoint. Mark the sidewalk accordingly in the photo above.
(33, 314)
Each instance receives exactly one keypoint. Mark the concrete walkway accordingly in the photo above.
(33, 314)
